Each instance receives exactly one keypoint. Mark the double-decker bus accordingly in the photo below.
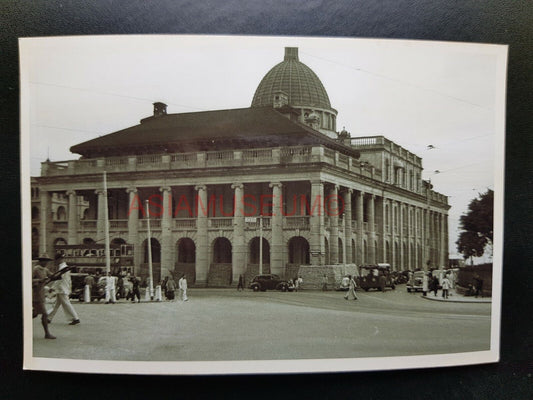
(90, 258)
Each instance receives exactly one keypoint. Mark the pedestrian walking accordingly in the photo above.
(324, 283)
(63, 287)
(135, 289)
(351, 289)
(40, 277)
(120, 287)
(240, 285)
(296, 284)
(182, 284)
(478, 285)
(164, 286)
(170, 288)
(300, 282)
(425, 284)
(110, 289)
(445, 286)
(435, 285)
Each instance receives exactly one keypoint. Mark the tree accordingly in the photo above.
(477, 226)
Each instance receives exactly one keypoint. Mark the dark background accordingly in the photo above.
(488, 21)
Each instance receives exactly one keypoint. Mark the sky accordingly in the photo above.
(444, 95)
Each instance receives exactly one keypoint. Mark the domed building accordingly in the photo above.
(272, 188)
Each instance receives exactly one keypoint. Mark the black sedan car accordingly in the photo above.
(268, 282)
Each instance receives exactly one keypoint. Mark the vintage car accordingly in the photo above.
(415, 283)
(268, 282)
(375, 276)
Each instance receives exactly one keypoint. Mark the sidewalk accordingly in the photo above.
(456, 298)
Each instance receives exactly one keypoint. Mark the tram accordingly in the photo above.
(91, 258)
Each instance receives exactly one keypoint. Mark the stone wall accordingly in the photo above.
(219, 275)
(187, 269)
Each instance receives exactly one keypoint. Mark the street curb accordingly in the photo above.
(482, 301)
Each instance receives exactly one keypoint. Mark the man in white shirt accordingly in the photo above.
(63, 288)
(182, 285)
(110, 291)
(445, 286)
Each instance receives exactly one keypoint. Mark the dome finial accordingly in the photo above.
(291, 53)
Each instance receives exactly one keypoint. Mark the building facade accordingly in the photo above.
(206, 182)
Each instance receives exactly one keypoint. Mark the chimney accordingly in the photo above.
(291, 53)
(160, 109)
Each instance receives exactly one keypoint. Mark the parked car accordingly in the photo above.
(375, 276)
(268, 282)
(415, 284)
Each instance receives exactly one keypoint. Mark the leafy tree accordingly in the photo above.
(477, 225)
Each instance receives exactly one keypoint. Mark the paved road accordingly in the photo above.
(225, 324)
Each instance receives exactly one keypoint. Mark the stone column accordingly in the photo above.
(416, 236)
(239, 246)
(276, 250)
(167, 247)
(133, 226)
(202, 245)
(402, 236)
(359, 198)
(45, 223)
(317, 223)
(444, 240)
(334, 227)
(409, 237)
(371, 228)
(347, 197)
(394, 264)
(100, 223)
(73, 218)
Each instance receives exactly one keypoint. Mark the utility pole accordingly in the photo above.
(150, 274)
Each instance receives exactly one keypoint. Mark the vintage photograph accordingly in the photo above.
(231, 204)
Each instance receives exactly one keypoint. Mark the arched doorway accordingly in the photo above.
(222, 251)
(298, 250)
(186, 259)
(253, 251)
(186, 251)
(220, 271)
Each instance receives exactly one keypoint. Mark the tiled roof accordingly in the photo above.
(187, 129)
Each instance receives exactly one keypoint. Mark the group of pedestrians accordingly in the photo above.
(432, 283)
(168, 286)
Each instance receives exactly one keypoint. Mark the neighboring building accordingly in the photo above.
(284, 151)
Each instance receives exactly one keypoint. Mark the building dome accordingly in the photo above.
(293, 83)
(296, 79)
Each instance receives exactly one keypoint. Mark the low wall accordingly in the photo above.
(312, 275)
